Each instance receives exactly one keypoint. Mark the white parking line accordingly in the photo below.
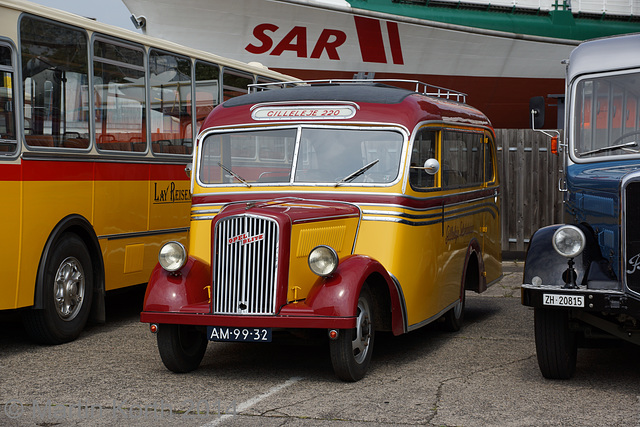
(254, 400)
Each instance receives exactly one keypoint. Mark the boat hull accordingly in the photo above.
(499, 71)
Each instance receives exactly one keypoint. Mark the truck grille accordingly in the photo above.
(245, 265)
(632, 235)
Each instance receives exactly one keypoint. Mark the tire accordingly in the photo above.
(454, 318)
(68, 283)
(181, 347)
(351, 351)
(556, 344)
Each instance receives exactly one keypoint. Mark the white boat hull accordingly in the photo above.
(334, 40)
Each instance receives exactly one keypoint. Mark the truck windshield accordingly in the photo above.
(333, 156)
(607, 116)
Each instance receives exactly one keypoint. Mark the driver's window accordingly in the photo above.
(424, 148)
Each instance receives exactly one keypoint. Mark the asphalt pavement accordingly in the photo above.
(484, 375)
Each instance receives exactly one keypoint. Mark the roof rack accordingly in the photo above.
(420, 87)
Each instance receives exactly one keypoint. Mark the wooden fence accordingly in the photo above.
(529, 175)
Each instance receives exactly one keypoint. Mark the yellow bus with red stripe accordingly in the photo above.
(347, 207)
(97, 127)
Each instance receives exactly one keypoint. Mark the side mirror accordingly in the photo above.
(432, 166)
(188, 168)
(536, 111)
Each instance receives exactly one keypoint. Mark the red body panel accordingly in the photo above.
(171, 292)
(413, 109)
(332, 302)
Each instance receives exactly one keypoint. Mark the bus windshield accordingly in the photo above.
(607, 119)
(336, 156)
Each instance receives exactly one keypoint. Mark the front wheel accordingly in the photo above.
(351, 351)
(556, 344)
(181, 347)
(68, 287)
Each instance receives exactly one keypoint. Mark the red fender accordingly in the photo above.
(338, 294)
(171, 291)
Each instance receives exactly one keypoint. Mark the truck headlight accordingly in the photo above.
(569, 241)
(172, 256)
(323, 260)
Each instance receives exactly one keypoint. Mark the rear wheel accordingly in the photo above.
(68, 287)
(454, 318)
(556, 344)
(181, 347)
(351, 351)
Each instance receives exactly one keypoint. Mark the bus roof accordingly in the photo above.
(605, 54)
(376, 104)
(114, 31)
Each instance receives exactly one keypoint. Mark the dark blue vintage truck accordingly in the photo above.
(583, 277)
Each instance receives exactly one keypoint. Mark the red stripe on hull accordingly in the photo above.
(370, 39)
(394, 39)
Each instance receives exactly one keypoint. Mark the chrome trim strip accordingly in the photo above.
(255, 194)
(432, 318)
(143, 233)
(202, 218)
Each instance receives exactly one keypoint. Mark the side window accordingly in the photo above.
(8, 143)
(462, 159)
(424, 148)
(235, 83)
(207, 90)
(488, 158)
(170, 116)
(120, 96)
(55, 98)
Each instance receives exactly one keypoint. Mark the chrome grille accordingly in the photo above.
(245, 265)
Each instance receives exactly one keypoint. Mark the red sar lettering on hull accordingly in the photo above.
(370, 40)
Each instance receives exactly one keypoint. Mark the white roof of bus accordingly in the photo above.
(95, 26)
(606, 54)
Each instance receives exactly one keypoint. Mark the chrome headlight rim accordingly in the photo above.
(323, 260)
(172, 256)
(562, 245)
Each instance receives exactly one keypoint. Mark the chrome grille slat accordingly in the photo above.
(244, 279)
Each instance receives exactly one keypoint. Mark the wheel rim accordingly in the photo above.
(360, 344)
(69, 286)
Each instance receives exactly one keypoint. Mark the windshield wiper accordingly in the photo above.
(357, 173)
(611, 148)
(233, 174)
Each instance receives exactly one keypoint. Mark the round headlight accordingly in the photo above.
(323, 260)
(172, 256)
(569, 241)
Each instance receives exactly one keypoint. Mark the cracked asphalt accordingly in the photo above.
(486, 374)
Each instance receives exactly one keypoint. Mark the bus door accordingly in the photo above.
(9, 179)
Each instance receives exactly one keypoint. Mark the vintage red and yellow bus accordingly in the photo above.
(96, 127)
(345, 207)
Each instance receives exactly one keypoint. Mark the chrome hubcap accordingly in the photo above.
(360, 344)
(68, 288)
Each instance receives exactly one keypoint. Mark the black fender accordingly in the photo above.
(544, 262)
(80, 226)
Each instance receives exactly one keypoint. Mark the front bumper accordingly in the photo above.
(595, 300)
(293, 316)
